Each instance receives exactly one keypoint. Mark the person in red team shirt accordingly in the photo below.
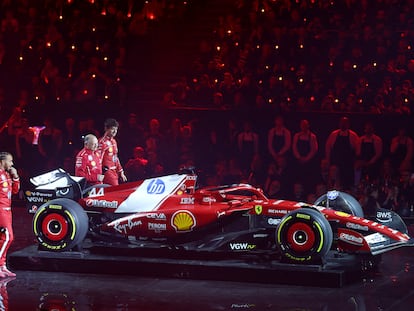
(88, 161)
(10, 184)
(108, 147)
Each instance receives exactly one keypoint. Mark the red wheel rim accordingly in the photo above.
(55, 227)
(301, 237)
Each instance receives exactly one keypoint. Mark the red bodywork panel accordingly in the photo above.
(162, 206)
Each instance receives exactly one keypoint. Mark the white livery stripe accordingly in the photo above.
(151, 194)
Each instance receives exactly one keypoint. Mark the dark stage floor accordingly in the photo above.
(391, 288)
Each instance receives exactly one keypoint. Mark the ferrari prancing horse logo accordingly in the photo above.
(258, 209)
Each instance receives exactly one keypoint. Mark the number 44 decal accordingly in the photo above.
(96, 192)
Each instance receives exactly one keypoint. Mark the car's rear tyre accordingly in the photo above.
(304, 236)
(60, 225)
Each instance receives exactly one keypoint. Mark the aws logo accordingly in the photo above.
(156, 186)
(384, 216)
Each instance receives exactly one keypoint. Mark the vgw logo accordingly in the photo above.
(242, 246)
(156, 186)
(35, 199)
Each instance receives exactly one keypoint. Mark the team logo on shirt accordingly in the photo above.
(93, 163)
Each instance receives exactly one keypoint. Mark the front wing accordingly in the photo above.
(374, 243)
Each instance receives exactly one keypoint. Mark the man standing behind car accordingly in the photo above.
(10, 184)
(108, 147)
(89, 162)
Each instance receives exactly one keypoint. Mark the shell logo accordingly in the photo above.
(183, 221)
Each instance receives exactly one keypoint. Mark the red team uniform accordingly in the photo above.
(88, 165)
(9, 186)
(110, 161)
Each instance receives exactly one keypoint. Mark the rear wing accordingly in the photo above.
(51, 185)
(55, 179)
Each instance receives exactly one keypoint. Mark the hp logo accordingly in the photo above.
(156, 186)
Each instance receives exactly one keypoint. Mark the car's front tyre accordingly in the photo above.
(340, 201)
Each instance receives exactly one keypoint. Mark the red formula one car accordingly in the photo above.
(171, 211)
